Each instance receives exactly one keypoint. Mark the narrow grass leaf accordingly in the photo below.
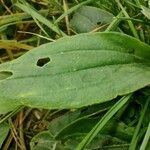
(10, 114)
(28, 9)
(7, 20)
(12, 44)
(40, 26)
(146, 139)
(114, 24)
(134, 143)
(99, 126)
(4, 129)
(131, 25)
(146, 11)
(73, 9)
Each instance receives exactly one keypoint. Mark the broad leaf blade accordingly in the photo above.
(76, 71)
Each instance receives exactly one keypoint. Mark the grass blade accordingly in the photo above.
(135, 139)
(146, 138)
(28, 9)
(99, 126)
(73, 9)
(113, 25)
(7, 116)
(129, 21)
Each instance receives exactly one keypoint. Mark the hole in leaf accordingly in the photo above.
(99, 23)
(43, 61)
(5, 74)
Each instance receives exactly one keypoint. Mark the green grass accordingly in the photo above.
(123, 123)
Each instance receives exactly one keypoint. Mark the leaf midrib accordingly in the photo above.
(73, 71)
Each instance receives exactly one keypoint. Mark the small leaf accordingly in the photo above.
(87, 18)
(45, 141)
(82, 70)
(60, 123)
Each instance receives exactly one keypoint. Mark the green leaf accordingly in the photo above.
(146, 11)
(4, 129)
(35, 15)
(76, 71)
(70, 122)
(72, 9)
(146, 139)
(100, 142)
(58, 124)
(134, 140)
(103, 121)
(44, 141)
(7, 20)
(82, 125)
(88, 18)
